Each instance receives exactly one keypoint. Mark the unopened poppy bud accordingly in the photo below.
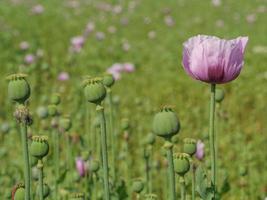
(108, 80)
(125, 124)
(151, 197)
(94, 166)
(166, 123)
(18, 88)
(65, 123)
(190, 146)
(77, 196)
(150, 139)
(219, 95)
(94, 90)
(39, 146)
(18, 192)
(55, 99)
(52, 110)
(137, 185)
(181, 163)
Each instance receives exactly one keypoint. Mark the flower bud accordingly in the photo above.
(151, 197)
(94, 91)
(18, 88)
(18, 192)
(181, 163)
(150, 139)
(52, 110)
(190, 146)
(219, 95)
(166, 123)
(55, 99)
(65, 123)
(94, 166)
(39, 146)
(137, 185)
(108, 80)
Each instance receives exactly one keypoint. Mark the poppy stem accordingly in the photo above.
(40, 171)
(212, 138)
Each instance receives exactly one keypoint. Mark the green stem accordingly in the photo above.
(40, 172)
(100, 110)
(212, 138)
(112, 133)
(24, 140)
(172, 194)
(182, 184)
(146, 156)
(193, 179)
(56, 160)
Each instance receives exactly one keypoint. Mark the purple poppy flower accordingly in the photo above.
(100, 36)
(37, 9)
(128, 67)
(251, 18)
(80, 166)
(63, 76)
(77, 43)
(216, 3)
(169, 21)
(90, 27)
(214, 60)
(200, 153)
(29, 59)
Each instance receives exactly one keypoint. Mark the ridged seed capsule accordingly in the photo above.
(166, 123)
(65, 123)
(181, 163)
(18, 88)
(39, 146)
(94, 90)
(108, 80)
(190, 146)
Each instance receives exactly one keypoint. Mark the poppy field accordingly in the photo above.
(133, 100)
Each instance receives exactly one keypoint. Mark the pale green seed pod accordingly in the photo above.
(5, 127)
(65, 123)
(137, 185)
(219, 95)
(94, 166)
(18, 88)
(190, 146)
(42, 112)
(166, 123)
(94, 91)
(150, 139)
(108, 80)
(52, 110)
(55, 99)
(39, 147)
(46, 190)
(34, 161)
(18, 192)
(181, 163)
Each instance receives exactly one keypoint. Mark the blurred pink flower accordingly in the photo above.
(90, 27)
(251, 18)
(151, 34)
(77, 43)
(220, 23)
(29, 59)
(216, 3)
(37, 9)
(63, 76)
(126, 46)
(24, 45)
(200, 153)
(169, 21)
(80, 166)
(128, 67)
(117, 9)
(112, 29)
(124, 21)
(214, 60)
(100, 36)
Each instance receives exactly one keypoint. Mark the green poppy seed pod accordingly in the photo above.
(52, 110)
(77, 196)
(42, 112)
(55, 99)
(137, 185)
(166, 123)
(181, 163)
(18, 88)
(151, 197)
(94, 91)
(243, 171)
(39, 146)
(190, 146)
(108, 80)
(46, 190)
(125, 124)
(18, 192)
(94, 166)
(34, 161)
(65, 123)
(219, 95)
(150, 139)
(5, 127)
